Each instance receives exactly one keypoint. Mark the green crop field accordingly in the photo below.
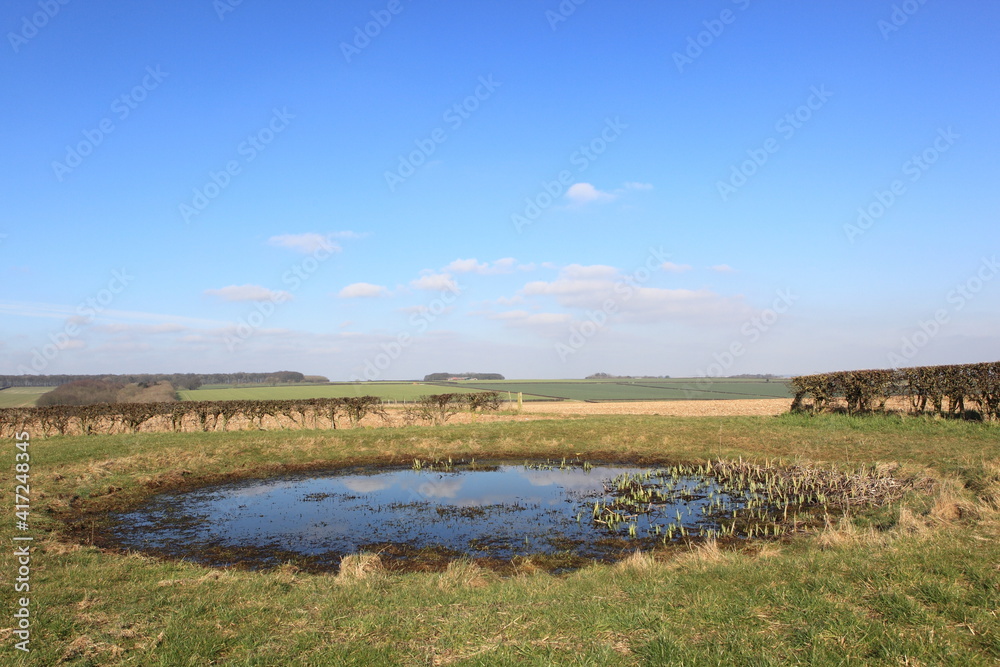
(387, 391)
(21, 397)
(533, 390)
(634, 390)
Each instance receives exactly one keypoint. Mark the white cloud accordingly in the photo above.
(422, 309)
(593, 287)
(249, 293)
(585, 193)
(504, 265)
(72, 316)
(435, 281)
(525, 318)
(722, 268)
(121, 328)
(124, 348)
(366, 484)
(509, 315)
(670, 267)
(362, 290)
(306, 243)
(575, 279)
(592, 271)
(466, 266)
(46, 310)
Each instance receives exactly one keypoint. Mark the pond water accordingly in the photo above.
(576, 513)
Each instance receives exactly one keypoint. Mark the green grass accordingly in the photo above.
(21, 397)
(922, 589)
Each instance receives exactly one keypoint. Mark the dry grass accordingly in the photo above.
(464, 574)
(639, 562)
(844, 533)
(359, 567)
(708, 552)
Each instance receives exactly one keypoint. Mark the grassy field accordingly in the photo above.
(21, 397)
(917, 584)
(533, 390)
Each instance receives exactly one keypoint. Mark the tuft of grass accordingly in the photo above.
(359, 567)
(462, 574)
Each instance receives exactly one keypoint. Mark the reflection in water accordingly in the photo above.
(499, 513)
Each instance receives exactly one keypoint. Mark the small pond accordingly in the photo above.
(571, 514)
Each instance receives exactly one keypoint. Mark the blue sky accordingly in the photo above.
(531, 188)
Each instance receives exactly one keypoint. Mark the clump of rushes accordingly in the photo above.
(738, 499)
(564, 464)
(438, 465)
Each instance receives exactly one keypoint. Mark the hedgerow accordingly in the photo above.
(966, 390)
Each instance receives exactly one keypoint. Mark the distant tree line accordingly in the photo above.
(178, 380)
(92, 392)
(608, 376)
(439, 377)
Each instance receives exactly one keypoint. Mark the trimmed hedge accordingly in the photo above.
(943, 390)
(105, 418)
(207, 415)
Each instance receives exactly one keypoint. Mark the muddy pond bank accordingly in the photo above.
(560, 515)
